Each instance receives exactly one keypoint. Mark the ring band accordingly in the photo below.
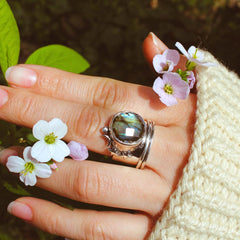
(129, 138)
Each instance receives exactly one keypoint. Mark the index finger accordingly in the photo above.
(152, 45)
(97, 91)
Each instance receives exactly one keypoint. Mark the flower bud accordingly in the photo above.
(78, 151)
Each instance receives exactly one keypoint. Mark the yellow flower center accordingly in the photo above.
(166, 67)
(50, 139)
(29, 167)
(168, 89)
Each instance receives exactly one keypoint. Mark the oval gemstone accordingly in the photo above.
(128, 127)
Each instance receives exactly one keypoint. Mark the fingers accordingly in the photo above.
(81, 224)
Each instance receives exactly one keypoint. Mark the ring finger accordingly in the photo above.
(105, 184)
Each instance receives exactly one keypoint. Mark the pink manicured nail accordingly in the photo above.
(3, 97)
(20, 210)
(20, 76)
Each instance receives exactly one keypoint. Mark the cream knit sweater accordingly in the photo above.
(206, 203)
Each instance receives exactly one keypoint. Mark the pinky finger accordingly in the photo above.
(80, 224)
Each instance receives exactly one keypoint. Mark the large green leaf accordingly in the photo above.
(59, 56)
(9, 37)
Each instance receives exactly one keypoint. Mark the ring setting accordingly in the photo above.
(129, 138)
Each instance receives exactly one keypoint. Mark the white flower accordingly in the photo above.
(28, 168)
(194, 55)
(49, 145)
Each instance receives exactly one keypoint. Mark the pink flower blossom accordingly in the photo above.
(194, 55)
(54, 166)
(191, 79)
(170, 87)
(166, 62)
(78, 151)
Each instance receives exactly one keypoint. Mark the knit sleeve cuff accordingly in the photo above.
(206, 203)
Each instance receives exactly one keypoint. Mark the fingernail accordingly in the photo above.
(20, 76)
(20, 210)
(3, 97)
(154, 38)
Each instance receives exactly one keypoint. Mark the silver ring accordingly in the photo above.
(129, 138)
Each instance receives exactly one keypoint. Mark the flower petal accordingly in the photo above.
(59, 150)
(158, 60)
(182, 90)
(205, 64)
(29, 179)
(78, 151)
(27, 154)
(191, 79)
(15, 164)
(59, 128)
(171, 78)
(42, 170)
(195, 53)
(180, 87)
(168, 99)
(158, 85)
(41, 151)
(182, 49)
(172, 56)
(41, 129)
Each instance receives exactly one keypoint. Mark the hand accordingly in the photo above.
(86, 104)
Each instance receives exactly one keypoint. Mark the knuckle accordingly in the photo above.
(26, 110)
(50, 83)
(88, 122)
(54, 223)
(96, 230)
(87, 185)
(107, 93)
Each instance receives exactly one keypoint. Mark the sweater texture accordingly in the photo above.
(206, 203)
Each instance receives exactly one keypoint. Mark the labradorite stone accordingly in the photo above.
(128, 127)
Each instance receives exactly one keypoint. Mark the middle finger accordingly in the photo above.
(84, 122)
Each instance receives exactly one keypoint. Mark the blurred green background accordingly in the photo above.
(109, 34)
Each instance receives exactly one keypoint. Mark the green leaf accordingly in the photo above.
(64, 205)
(16, 190)
(9, 37)
(59, 56)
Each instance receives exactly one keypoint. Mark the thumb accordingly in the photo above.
(152, 45)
